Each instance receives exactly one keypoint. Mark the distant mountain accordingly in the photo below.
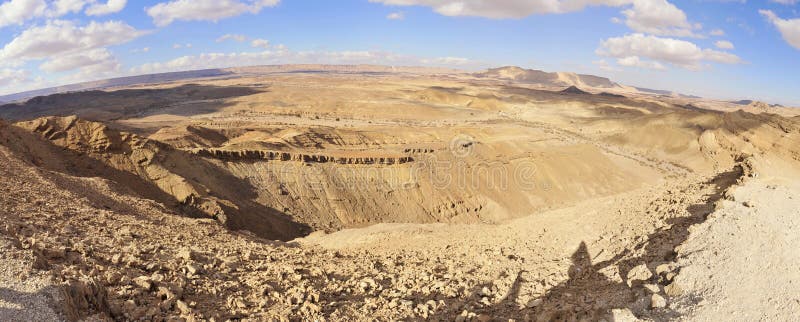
(532, 76)
(207, 73)
(755, 103)
(113, 82)
(653, 91)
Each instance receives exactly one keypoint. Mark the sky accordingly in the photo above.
(726, 49)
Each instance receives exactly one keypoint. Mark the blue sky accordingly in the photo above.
(713, 48)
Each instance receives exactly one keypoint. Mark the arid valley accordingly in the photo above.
(341, 193)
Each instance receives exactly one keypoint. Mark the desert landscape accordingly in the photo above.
(366, 192)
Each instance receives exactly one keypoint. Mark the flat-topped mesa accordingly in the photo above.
(255, 155)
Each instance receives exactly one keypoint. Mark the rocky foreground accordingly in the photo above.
(112, 255)
(287, 198)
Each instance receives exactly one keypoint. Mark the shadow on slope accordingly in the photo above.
(110, 105)
(590, 294)
(184, 183)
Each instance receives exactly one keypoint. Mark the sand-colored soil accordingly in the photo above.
(343, 195)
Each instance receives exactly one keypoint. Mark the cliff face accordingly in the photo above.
(252, 155)
(532, 76)
(184, 182)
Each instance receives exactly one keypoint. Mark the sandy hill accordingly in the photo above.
(532, 76)
(574, 90)
(360, 195)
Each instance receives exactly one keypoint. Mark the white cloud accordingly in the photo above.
(396, 16)
(724, 44)
(63, 7)
(59, 37)
(18, 11)
(166, 13)
(635, 61)
(786, 2)
(284, 56)
(789, 28)
(659, 17)
(112, 6)
(65, 46)
(78, 60)
(260, 43)
(10, 77)
(499, 9)
(234, 37)
(680, 53)
(718, 32)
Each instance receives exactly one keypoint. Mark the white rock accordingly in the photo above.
(657, 301)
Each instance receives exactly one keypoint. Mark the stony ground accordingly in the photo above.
(742, 263)
(642, 210)
(26, 293)
(115, 255)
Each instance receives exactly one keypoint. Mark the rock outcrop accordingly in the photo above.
(252, 155)
(184, 182)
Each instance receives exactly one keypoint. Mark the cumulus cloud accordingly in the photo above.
(786, 2)
(63, 7)
(65, 37)
(789, 28)
(10, 77)
(65, 46)
(234, 37)
(260, 43)
(18, 11)
(166, 13)
(499, 9)
(724, 44)
(59, 37)
(659, 17)
(284, 56)
(717, 32)
(112, 6)
(677, 52)
(396, 16)
(77, 60)
(635, 61)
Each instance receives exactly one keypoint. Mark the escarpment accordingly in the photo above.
(180, 180)
(241, 155)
